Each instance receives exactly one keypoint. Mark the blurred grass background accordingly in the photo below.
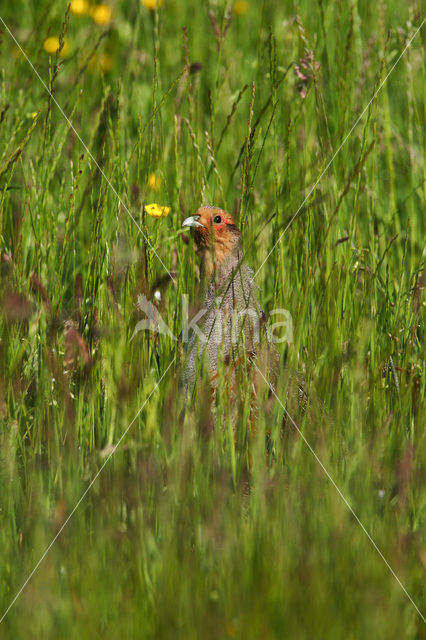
(242, 105)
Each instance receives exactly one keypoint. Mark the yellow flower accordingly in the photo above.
(240, 7)
(156, 210)
(79, 7)
(154, 182)
(51, 45)
(105, 62)
(101, 13)
(152, 4)
(100, 62)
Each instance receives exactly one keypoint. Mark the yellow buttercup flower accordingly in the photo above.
(240, 7)
(154, 182)
(156, 210)
(100, 62)
(101, 13)
(105, 62)
(51, 45)
(152, 5)
(79, 7)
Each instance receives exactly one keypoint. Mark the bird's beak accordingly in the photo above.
(192, 221)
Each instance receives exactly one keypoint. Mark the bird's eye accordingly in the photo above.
(217, 219)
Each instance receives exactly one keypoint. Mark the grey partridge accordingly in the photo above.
(231, 322)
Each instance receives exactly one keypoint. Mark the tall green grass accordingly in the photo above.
(186, 533)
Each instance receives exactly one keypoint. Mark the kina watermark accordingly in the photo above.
(215, 324)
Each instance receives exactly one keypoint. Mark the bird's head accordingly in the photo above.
(217, 239)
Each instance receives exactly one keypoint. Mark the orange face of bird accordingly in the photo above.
(214, 230)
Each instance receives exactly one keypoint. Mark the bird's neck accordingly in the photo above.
(217, 270)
